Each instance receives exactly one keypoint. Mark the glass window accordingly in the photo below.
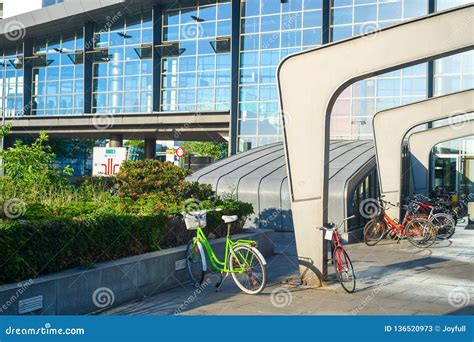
(312, 19)
(270, 6)
(342, 16)
(312, 37)
(250, 25)
(365, 13)
(250, 8)
(270, 23)
(445, 4)
(390, 11)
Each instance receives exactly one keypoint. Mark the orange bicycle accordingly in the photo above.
(419, 231)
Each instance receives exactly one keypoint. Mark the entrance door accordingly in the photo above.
(445, 172)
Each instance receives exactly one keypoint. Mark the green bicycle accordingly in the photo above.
(242, 259)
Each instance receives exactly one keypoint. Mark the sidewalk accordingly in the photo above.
(392, 279)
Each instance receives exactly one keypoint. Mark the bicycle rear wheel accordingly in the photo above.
(195, 261)
(420, 232)
(374, 231)
(248, 269)
(444, 224)
(344, 270)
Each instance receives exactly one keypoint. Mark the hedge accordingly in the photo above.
(34, 247)
(31, 248)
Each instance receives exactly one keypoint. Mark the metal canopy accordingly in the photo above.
(259, 176)
(421, 144)
(310, 83)
(392, 125)
(68, 16)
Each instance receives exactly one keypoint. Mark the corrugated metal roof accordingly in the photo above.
(259, 176)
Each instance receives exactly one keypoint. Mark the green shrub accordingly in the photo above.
(147, 177)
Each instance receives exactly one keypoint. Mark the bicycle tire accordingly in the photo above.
(194, 261)
(424, 230)
(342, 258)
(248, 276)
(444, 224)
(373, 236)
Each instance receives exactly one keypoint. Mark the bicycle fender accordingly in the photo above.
(201, 250)
(259, 255)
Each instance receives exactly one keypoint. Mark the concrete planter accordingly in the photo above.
(76, 291)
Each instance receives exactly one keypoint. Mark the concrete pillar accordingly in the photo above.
(150, 148)
(116, 140)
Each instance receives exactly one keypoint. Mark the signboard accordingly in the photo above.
(107, 160)
(179, 152)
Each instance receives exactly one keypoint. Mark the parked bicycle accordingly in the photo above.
(417, 230)
(456, 202)
(342, 263)
(242, 260)
(441, 217)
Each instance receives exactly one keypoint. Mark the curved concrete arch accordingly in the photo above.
(421, 144)
(392, 125)
(307, 104)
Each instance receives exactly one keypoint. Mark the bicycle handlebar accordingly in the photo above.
(340, 224)
(390, 203)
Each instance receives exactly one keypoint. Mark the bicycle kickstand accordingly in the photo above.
(219, 284)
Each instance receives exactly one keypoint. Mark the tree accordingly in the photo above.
(216, 150)
(29, 167)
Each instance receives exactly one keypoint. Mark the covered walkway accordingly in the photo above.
(259, 176)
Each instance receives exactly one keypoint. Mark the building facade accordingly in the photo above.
(214, 55)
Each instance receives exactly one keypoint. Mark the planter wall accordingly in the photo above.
(76, 291)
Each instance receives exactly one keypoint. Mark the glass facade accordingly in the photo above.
(270, 31)
(352, 113)
(199, 78)
(58, 75)
(354, 17)
(453, 73)
(11, 83)
(122, 75)
(194, 38)
(453, 165)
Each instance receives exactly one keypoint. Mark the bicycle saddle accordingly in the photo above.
(230, 218)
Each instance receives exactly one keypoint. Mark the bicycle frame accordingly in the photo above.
(398, 228)
(335, 243)
(219, 265)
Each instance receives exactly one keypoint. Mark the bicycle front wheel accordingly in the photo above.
(344, 270)
(374, 231)
(195, 261)
(248, 269)
(444, 224)
(420, 233)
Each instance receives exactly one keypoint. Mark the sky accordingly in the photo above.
(15, 7)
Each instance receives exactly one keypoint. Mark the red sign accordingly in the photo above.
(110, 168)
(179, 152)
